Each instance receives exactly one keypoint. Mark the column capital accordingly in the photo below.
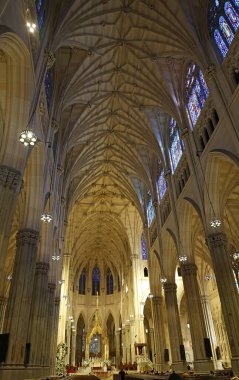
(134, 256)
(42, 267)
(27, 236)
(188, 269)
(170, 287)
(216, 240)
(157, 300)
(210, 72)
(10, 178)
(50, 58)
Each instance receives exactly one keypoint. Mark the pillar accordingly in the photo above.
(195, 314)
(20, 297)
(10, 185)
(210, 328)
(3, 304)
(55, 331)
(49, 326)
(229, 298)
(37, 315)
(151, 334)
(73, 348)
(159, 333)
(117, 346)
(174, 327)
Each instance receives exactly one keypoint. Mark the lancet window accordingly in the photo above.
(95, 281)
(224, 22)
(109, 282)
(144, 247)
(176, 146)
(49, 87)
(196, 92)
(162, 185)
(82, 282)
(150, 210)
(41, 12)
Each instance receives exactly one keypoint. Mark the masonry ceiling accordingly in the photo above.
(119, 65)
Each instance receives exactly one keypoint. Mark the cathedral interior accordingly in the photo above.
(119, 186)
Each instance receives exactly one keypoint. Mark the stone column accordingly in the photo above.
(3, 304)
(151, 334)
(229, 298)
(55, 331)
(49, 326)
(174, 327)
(159, 333)
(73, 348)
(20, 297)
(117, 346)
(196, 319)
(210, 328)
(36, 328)
(10, 184)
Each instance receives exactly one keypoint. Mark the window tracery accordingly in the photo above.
(150, 210)
(224, 22)
(196, 92)
(82, 282)
(161, 185)
(176, 146)
(49, 87)
(144, 247)
(95, 281)
(109, 282)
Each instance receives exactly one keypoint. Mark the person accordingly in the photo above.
(174, 376)
(122, 374)
(233, 377)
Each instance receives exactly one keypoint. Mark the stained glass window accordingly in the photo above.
(95, 281)
(162, 185)
(41, 12)
(224, 22)
(144, 247)
(150, 210)
(49, 87)
(196, 92)
(176, 146)
(82, 282)
(109, 282)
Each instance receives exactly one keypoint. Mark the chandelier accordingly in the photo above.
(46, 218)
(31, 26)
(56, 258)
(163, 280)
(183, 259)
(215, 223)
(235, 255)
(28, 137)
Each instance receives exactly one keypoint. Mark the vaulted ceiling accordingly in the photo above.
(119, 74)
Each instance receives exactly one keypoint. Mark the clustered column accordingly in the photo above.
(174, 327)
(196, 319)
(229, 298)
(159, 334)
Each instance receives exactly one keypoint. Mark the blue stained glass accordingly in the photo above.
(194, 107)
(162, 185)
(203, 84)
(144, 247)
(217, 3)
(150, 212)
(95, 281)
(48, 87)
(226, 30)
(220, 43)
(82, 282)
(236, 2)
(41, 19)
(175, 151)
(39, 4)
(232, 15)
(109, 282)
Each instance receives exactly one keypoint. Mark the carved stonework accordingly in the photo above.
(55, 125)
(184, 133)
(42, 267)
(188, 269)
(27, 236)
(170, 287)
(51, 287)
(210, 72)
(60, 170)
(157, 300)
(10, 178)
(3, 57)
(216, 240)
(57, 301)
(50, 59)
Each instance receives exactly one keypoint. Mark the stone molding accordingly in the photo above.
(189, 269)
(157, 300)
(51, 287)
(50, 58)
(216, 240)
(42, 267)
(10, 178)
(57, 301)
(27, 236)
(170, 287)
(210, 72)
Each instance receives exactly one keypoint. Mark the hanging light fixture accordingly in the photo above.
(31, 26)
(46, 218)
(163, 280)
(28, 137)
(183, 259)
(235, 255)
(215, 223)
(188, 325)
(56, 257)
(61, 282)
